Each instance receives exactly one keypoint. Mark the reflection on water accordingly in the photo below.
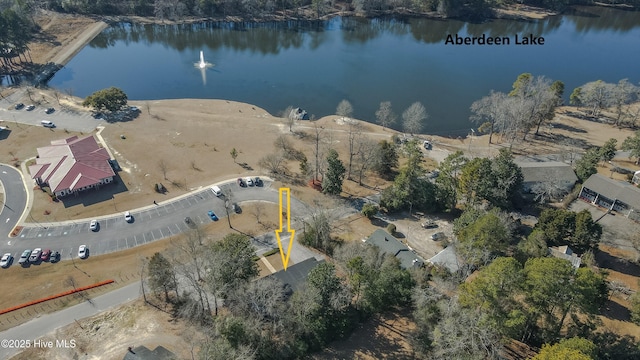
(316, 64)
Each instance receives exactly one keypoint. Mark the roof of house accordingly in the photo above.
(614, 190)
(72, 163)
(564, 252)
(296, 274)
(544, 171)
(143, 353)
(392, 246)
(447, 258)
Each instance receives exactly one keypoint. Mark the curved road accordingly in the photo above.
(14, 199)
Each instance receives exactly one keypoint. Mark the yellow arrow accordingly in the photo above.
(285, 259)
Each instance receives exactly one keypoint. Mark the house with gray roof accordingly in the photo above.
(549, 174)
(565, 252)
(388, 244)
(295, 275)
(447, 258)
(614, 195)
(144, 353)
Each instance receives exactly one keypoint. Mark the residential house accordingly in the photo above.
(565, 252)
(447, 258)
(614, 195)
(392, 246)
(554, 175)
(143, 353)
(296, 274)
(71, 165)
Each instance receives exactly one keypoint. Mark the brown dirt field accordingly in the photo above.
(108, 335)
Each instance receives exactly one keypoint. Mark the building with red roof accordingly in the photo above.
(71, 165)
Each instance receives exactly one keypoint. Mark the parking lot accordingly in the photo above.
(64, 119)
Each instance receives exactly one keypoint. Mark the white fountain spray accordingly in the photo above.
(203, 65)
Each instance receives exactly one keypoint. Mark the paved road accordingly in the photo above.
(14, 200)
(46, 324)
(63, 118)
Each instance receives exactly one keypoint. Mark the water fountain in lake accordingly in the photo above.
(203, 65)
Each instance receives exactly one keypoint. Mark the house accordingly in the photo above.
(565, 252)
(296, 274)
(447, 258)
(392, 246)
(71, 165)
(614, 195)
(143, 353)
(543, 173)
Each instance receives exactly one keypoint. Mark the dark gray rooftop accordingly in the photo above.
(392, 246)
(546, 171)
(296, 274)
(143, 353)
(614, 190)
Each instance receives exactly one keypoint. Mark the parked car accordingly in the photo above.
(427, 145)
(5, 262)
(212, 215)
(24, 258)
(31, 107)
(83, 252)
(241, 182)
(46, 253)
(127, 217)
(18, 106)
(188, 221)
(55, 257)
(93, 225)
(437, 236)
(429, 224)
(49, 110)
(35, 255)
(249, 181)
(257, 181)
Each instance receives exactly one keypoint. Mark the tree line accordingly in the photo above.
(171, 9)
(16, 30)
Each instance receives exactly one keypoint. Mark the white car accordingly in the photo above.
(127, 217)
(6, 260)
(93, 226)
(35, 255)
(249, 181)
(83, 251)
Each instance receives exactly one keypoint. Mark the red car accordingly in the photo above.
(45, 254)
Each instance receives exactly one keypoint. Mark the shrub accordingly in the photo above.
(391, 229)
(370, 210)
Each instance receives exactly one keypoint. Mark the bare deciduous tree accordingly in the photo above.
(258, 210)
(354, 132)
(273, 162)
(366, 156)
(289, 117)
(413, 117)
(344, 109)
(488, 109)
(385, 115)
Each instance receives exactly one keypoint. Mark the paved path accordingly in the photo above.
(46, 324)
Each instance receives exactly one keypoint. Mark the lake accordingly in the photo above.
(314, 65)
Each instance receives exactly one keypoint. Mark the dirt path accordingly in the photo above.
(66, 53)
